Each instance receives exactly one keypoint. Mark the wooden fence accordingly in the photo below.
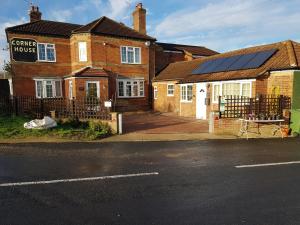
(262, 107)
(85, 108)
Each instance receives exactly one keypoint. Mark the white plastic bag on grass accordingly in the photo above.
(45, 123)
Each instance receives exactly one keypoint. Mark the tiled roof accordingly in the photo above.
(194, 50)
(104, 26)
(45, 27)
(90, 72)
(287, 57)
(107, 26)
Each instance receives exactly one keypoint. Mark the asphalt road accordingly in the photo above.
(192, 183)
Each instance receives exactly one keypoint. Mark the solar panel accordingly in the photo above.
(260, 59)
(227, 63)
(237, 62)
(212, 68)
(202, 67)
(242, 61)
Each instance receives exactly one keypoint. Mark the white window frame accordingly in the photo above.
(168, 94)
(46, 57)
(241, 82)
(134, 48)
(140, 90)
(93, 82)
(186, 93)
(44, 94)
(70, 89)
(155, 92)
(82, 51)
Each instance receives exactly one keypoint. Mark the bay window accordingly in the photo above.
(186, 92)
(48, 88)
(130, 55)
(234, 88)
(46, 52)
(131, 88)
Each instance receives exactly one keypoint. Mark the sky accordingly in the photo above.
(221, 25)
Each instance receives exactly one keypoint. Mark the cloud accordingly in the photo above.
(115, 9)
(230, 24)
(4, 54)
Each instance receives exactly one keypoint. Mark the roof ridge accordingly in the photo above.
(100, 20)
(199, 46)
(124, 25)
(20, 25)
(54, 21)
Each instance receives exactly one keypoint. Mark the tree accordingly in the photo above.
(7, 67)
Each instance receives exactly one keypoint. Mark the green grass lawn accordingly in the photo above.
(13, 127)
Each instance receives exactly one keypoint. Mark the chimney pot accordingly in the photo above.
(35, 14)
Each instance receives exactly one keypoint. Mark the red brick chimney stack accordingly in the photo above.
(139, 18)
(34, 14)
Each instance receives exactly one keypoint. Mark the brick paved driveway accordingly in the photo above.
(164, 123)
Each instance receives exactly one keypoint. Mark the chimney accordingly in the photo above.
(34, 14)
(139, 18)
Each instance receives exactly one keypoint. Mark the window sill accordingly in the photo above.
(186, 101)
(131, 63)
(131, 97)
(170, 95)
(49, 98)
(46, 61)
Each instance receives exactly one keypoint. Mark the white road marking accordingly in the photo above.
(77, 179)
(267, 164)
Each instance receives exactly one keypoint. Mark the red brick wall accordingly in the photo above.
(163, 59)
(99, 55)
(24, 72)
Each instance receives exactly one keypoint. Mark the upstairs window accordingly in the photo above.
(130, 55)
(82, 51)
(46, 52)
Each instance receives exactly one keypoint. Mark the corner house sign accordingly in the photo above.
(24, 50)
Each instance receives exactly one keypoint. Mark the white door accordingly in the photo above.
(200, 101)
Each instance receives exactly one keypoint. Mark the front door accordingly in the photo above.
(200, 101)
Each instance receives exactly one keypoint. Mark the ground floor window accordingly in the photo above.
(92, 89)
(186, 92)
(131, 88)
(238, 88)
(48, 88)
(170, 90)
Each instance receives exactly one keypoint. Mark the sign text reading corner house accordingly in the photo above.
(24, 50)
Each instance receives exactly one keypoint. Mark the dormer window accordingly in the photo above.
(46, 52)
(130, 55)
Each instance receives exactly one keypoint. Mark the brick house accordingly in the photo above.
(103, 59)
(193, 88)
(166, 53)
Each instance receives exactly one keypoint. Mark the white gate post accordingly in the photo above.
(120, 123)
